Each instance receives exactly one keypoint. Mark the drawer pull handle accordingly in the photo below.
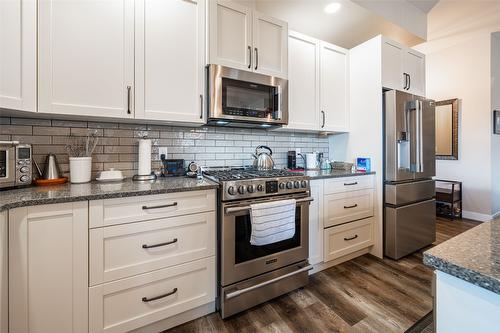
(350, 184)
(161, 206)
(145, 246)
(353, 206)
(350, 238)
(145, 299)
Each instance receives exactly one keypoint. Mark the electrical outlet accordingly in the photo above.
(162, 151)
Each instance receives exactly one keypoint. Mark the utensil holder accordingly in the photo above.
(80, 169)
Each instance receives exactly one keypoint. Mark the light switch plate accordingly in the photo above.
(161, 151)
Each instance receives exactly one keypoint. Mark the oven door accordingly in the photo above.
(240, 260)
(7, 166)
(246, 97)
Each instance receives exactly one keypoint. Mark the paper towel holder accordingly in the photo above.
(152, 175)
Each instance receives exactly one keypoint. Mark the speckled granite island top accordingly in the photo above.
(321, 174)
(31, 196)
(473, 256)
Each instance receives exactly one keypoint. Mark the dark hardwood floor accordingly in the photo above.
(366, 294)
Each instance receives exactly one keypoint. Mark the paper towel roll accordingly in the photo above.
(144, 157)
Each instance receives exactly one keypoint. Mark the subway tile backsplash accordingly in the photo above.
(117, 147)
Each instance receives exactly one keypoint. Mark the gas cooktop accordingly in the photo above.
(243, 173)
(245, 183)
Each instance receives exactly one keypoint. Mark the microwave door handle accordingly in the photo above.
(15, 142)
(278, 113)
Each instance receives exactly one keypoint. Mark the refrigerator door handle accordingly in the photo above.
(419, 137)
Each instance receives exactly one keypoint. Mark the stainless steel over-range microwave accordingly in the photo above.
(245, 99)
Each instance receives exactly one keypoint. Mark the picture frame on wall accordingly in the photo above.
(496, 122)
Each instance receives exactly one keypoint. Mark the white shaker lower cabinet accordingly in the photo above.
(48, 268)
(316, 223)
(152, 261)
(4, 286)
(341, 222)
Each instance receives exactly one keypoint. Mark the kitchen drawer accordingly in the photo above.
(120, 306)
(346, 207)
(338, 185)
(117, 251)
(347, 238)
(132, 209)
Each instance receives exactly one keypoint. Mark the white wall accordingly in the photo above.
(463, 71)
(495, 105)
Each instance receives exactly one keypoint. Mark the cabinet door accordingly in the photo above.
(303, 82)
(169, 69)
(18, 54)
(230, 34)
(316, 223)
(48, 268)
(392, 66)
(4, 287)
(86, 57)
(414, 65)
(334, 88)
(270, 45)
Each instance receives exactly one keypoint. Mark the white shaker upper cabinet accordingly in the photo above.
(230, 34)
(170, 60)
(270, 44)
(334, 91)
(402, 68)
(18, 54)
(86, 57)
(414, 65)
(392, 66)
(303, 82)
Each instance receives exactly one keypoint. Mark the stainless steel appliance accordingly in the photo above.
(15, 164)
(248, 274)
(409, 204)
(245, 99)
(263, 160)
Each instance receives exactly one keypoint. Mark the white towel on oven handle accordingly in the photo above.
(272, 222)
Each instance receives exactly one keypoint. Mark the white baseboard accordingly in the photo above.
(478, 216)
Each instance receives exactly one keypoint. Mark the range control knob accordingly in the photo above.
(241, 189)
(231, 190)
(303, 183)
(250, 188)
(24, 178)
(282, 186)
(260, 188)
(289, 185)
(296, 184)
(24, 169)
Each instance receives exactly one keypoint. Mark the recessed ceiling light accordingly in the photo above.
(332, 7)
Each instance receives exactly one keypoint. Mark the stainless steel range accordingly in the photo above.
(249, 274)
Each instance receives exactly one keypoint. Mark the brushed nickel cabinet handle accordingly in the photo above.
(161, 206)
(353, 206)
(350, 238)
(256, 58)
(350, 184)
(129, 88)
(145, 246)
(249, 56)
(145, 299)
(201, 106)
(323, 113)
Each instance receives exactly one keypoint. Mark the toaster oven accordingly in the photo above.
(15, 164)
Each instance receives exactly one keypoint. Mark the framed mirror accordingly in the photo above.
(447, 129)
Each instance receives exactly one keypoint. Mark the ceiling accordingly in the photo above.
(423, 5)
(350, 26)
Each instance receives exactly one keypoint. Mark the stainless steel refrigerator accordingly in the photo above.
(409, 165)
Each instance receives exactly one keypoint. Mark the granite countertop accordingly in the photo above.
(31, 196)
(473, 256)
(320, 174)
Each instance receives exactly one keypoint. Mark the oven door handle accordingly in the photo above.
(246, 290)
(242, 208)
